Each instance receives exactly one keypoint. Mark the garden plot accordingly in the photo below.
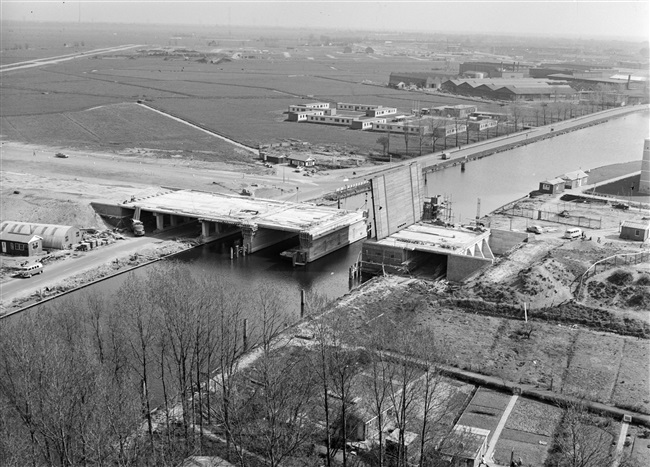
(466, 338)
(593, 366)
(539, 360)
(633, 379)
(528, 432)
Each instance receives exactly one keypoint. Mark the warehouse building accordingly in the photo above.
(495, 69)
(59, 237)
(509, 89)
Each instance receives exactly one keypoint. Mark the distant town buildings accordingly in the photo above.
(509, 89)
(493, 69)
(439, 121)
(426, 80)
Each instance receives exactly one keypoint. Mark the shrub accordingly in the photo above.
(620, 277)
(644, 279)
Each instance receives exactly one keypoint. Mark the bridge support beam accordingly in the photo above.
(160, 220)
(313, 248)
(211, 230)
(256, 238)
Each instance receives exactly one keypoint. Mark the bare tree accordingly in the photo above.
(582, 440)
(384, 141)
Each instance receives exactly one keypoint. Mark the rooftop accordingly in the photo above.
(641, 225)
(465, 441)
(434, 239)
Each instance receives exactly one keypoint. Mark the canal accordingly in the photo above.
(506, 176)
(496, 179)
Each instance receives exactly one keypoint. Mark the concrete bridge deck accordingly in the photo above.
(262, 222)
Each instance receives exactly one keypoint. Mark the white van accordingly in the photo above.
(573, 233)
(29, 271)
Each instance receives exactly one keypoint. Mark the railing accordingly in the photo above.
(549, 216)
(611, 262)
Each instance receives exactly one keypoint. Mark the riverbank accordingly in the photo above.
(117, 259)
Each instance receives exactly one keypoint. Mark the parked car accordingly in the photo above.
(622, 206)
(61, 155)
(536, 229)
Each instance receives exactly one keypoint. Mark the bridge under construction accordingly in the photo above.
(261, 222)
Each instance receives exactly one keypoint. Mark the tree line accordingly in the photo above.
(167, 367)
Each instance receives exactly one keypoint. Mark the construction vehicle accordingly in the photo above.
(137, 227)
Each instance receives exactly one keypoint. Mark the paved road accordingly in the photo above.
(494, 144)
(58, 271)
(61, 58)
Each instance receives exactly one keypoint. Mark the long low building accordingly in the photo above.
(509, 89)
(261, 223)
(59, 237)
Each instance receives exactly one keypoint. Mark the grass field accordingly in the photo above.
(561, 358)
(243, 99)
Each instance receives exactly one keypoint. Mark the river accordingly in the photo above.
(496, 179)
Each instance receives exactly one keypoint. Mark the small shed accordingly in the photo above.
(300, 160)
(60, 237)
(552, 186)
(466, 446)
(17, 244)
(275, 158)
(635, 230)
(574, 179)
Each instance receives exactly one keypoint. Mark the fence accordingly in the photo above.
(556, 217)
(622, 259)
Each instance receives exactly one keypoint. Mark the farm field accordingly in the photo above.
(596, 361)
(244, 99)
(122, 126)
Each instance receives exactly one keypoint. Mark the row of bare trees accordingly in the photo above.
(164, 368)
(79, 382)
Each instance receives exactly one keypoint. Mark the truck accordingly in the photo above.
(138, 227)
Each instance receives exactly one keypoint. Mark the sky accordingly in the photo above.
(575, 18)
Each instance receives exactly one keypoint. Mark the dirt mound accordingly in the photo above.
(621, 277)
(545, 283)
(27, 207)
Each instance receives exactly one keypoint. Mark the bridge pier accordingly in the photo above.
(257, 238)
(211, 230)
(160, 221)
(314, 245)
